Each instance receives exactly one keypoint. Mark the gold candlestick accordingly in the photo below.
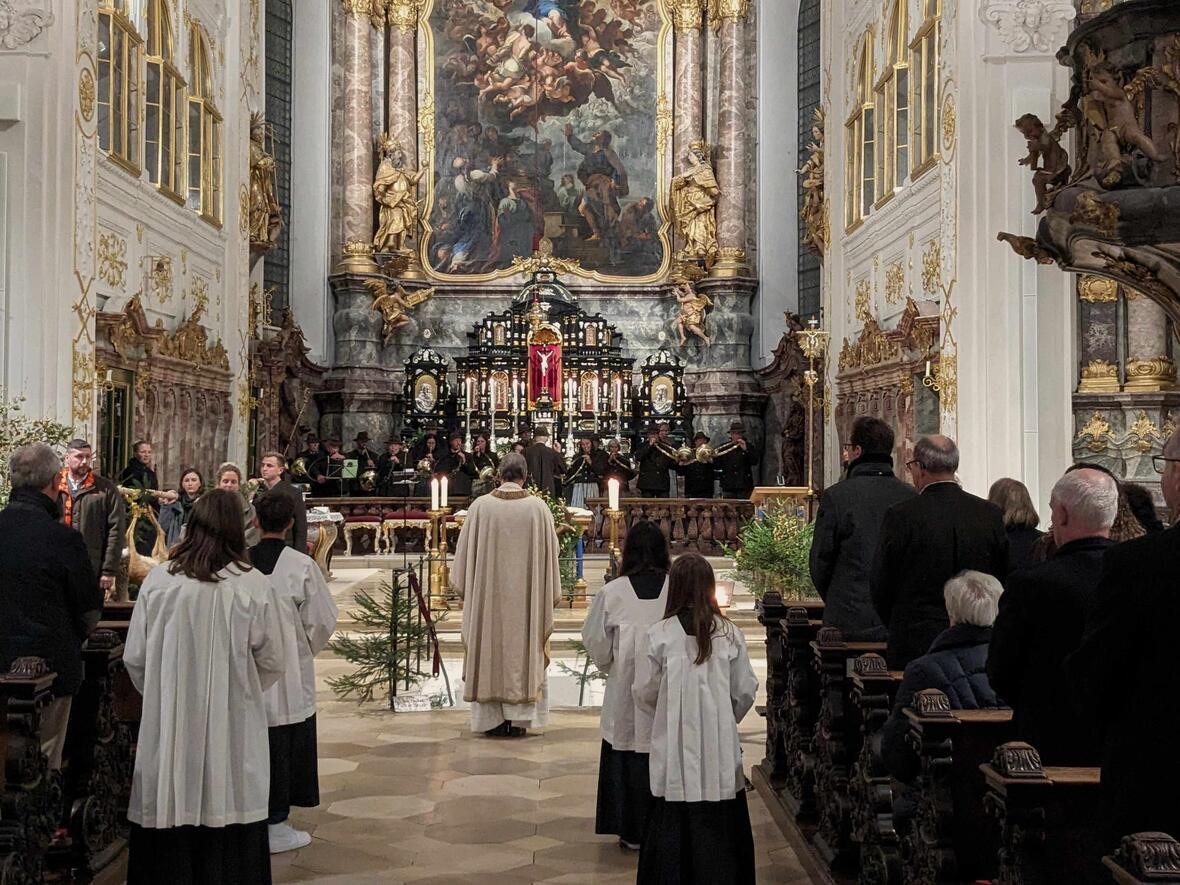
(615, 517)
(440, 572)
(813, 342)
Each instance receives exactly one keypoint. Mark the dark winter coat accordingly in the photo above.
(1043, 615)
(847, 528)
(925, 541)
(1125, 682)
(1022, 541)
(653, 466)
(737, 472)
(99, 514)
(48, 591)
(699, 479)
(297, 537)
(957, 666)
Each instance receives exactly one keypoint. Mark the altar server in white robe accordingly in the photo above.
(204, 643)
(507, 571)
(698, 683)
(309, 617)
(615, 636)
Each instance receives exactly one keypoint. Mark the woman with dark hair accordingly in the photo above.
(1143, 506)
(698, 683)
(614, 635)
(174, 516)
(205, 641)
(1020, 520)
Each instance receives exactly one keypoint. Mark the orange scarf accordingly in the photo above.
(67, 500)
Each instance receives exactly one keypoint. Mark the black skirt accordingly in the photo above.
(698, 843)
(624, 794)
(294, 768)
(235, 855)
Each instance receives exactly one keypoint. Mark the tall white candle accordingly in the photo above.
(612, 491)
(434, 494)
(443, 492)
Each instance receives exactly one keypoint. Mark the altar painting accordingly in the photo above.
(545, 126)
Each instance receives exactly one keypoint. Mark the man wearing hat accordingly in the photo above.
(546, 467)
(654, 466)
(393, 460)
(586, 469)
(736, 465)
(364, 461)
(314, 462)
(618, 466)
(456, 465)
(699, 476)
(328, 475)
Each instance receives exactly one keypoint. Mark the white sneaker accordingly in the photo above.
(284, 837)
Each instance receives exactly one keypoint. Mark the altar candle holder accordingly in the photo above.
(615, 517)
(440, 572)
(813, 342)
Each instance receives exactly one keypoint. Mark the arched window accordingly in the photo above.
(924, 106)
(164, 105)
(859, 134)
(893, 106)
(204, 132)
(119, 52)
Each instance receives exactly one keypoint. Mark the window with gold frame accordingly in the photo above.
(120, 51)
(893, 106)
(163, 105)
(204, 132)
(924, 64)
(860, 140)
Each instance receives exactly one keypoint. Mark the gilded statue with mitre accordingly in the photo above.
(266, 216)
(694, 206)
(395, 188)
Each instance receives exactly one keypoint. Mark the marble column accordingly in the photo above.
(1098, 345)
(357, 166)
(688, 90)
(1148, 366)
(402, 92)
(731, 160)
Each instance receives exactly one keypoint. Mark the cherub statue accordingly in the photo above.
(395, 305)
(814, 211)
(395, 189)
(693, 307)
(1047, 159)
(1110, 111)
(266, 216)
(694, 206)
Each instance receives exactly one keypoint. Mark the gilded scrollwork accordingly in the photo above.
(87, 94)
(112, 259)
(1143, 436)
(1095, 434)
(21, 23)
(1099, 376)
(160, 276)
(1097, 290)
(1099, 214)
(894, 283)
(863, 301)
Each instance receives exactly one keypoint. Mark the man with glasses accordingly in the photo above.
(847, 528)
(925, 542)
(1124, 675)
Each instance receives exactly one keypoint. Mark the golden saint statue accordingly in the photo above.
(266, 216)
(815, 207)
(694, 206)
(395, 189)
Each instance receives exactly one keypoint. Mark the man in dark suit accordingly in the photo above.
(700, 477)
(1124, 675)
(365, 460)
(848, 526)
(457, 466)
(925, 542)
(546, 467)
(1043, 615)
(273, 467)
(653, 465)
(737, 465)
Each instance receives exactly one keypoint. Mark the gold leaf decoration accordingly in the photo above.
(87, 94)
(894, 283)
(112, 259)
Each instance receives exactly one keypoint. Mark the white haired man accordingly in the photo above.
(1043, 615)
(1124, 675)
(956, 665)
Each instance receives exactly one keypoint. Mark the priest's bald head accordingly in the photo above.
(514, 468)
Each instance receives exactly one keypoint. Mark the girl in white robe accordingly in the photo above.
(309, 617)
(204, 643)
(615, 636)
(698, 683)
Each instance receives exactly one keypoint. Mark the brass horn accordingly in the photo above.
(368, 480)
(704, 453)
(722, 450)
(299, 468)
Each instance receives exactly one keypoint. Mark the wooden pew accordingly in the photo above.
(1048, 816)
(97, 765)
(949, 840)
(31, 801)
(116, 617)
(1145, 859)
(771, 614)
(837, 745)
(870, 789)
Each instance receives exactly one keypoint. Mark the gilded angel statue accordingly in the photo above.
(694, 206)
(694, 306)
(394, 306)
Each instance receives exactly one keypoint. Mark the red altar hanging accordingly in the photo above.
(545, 372)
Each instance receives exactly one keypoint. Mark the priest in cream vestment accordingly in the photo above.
(506, 569)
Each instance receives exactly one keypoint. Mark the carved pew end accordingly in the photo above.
(1146, 858)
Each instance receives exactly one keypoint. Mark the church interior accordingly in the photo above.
(870, 307)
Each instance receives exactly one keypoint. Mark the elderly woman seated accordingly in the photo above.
(956, 665)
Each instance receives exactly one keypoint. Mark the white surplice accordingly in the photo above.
(309, 616)
(615, 636)
(202, 654)
(696, 755)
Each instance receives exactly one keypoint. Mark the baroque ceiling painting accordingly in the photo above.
(544, 127)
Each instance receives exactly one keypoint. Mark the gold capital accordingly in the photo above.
(728, 10)
(687, 15)
(402, 14)
(378, 13)
(358, 7)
